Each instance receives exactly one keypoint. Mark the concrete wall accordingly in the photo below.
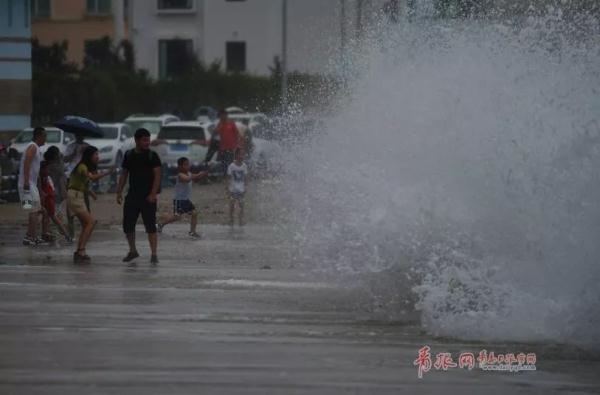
(149, 25)
(255, 22)
(314, 31)
(314, 34)
(15, 65)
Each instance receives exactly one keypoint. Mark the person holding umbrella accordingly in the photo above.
(74, 152)
(81, 128)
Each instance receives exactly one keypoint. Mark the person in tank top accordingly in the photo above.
(29, 170)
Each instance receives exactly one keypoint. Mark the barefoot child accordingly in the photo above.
(48, 192)
(182, 203)
(237, 172)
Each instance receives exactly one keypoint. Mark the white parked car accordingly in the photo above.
(266, 155)
(153, 123)
(234, 110)
(249, 118)
(177, 139)
(54, 136)
(118, 138)
(205, 114)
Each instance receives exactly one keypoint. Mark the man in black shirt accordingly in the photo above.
(142, 166)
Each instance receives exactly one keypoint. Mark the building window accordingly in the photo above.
(181, 5)
(175, 57)
(236, 56)
(98, 7)
(40, 8)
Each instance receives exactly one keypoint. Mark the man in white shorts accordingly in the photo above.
(29, 170)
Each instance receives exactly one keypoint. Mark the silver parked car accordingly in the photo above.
(118, 138)
(152, 123)
(177, 139)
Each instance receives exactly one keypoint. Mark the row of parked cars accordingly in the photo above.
(172, 138)
(118, 138)
(192, 138)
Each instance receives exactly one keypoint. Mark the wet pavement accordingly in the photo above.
(224, 315)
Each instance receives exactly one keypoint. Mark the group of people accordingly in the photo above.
(44, 182)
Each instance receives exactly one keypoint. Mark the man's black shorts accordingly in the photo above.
(183, 207)
(133, 207)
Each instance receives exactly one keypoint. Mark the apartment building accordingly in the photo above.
(78, 22)
(243, 35)
(15, 65)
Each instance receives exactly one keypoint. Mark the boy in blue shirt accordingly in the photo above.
(182, 205)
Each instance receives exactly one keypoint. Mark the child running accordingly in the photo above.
(237, 172)
(182, 203)
(48, 192)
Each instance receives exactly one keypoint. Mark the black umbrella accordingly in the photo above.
(80, 126)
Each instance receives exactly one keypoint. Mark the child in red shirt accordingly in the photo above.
(48, 197)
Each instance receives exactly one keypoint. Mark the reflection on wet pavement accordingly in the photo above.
(226, 314)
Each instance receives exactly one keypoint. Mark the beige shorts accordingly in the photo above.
(76, 202)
